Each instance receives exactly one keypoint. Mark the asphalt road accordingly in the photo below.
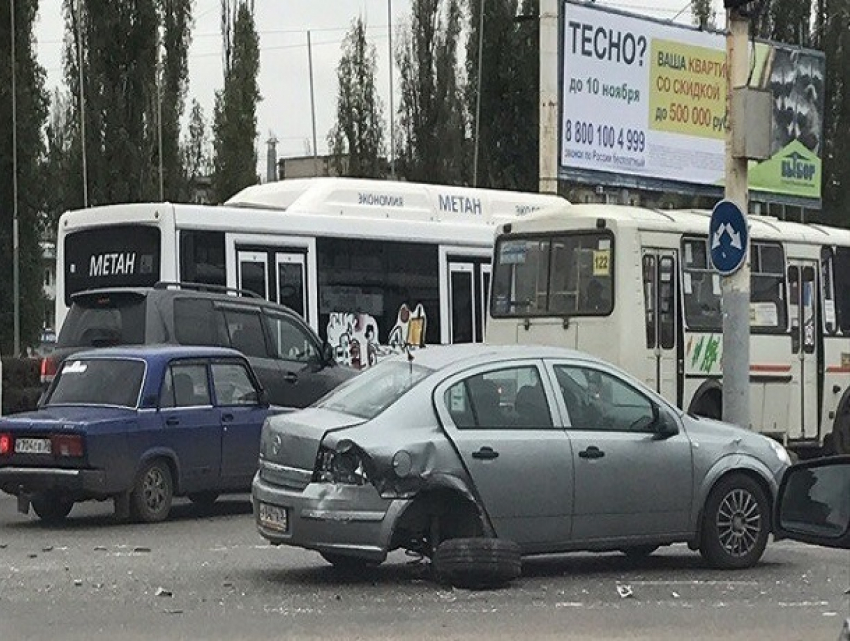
(210, 576)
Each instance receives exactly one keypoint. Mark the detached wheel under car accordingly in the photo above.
(735, 524)
(51, 508)
(150, 501)
(477, 563)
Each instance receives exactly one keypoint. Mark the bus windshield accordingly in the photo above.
(554, 275)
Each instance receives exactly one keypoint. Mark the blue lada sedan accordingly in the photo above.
(138, 426)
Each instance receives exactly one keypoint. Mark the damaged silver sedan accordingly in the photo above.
(475, 455)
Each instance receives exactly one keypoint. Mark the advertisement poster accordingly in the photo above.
(647, 100)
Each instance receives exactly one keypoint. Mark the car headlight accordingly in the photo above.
(342, 465)
(781, 452)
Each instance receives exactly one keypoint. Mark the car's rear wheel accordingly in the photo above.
(735, 524)
(639, 551)
(152, 493)
(51, 507)
(347, 563)
(477, 563)
(204, 499)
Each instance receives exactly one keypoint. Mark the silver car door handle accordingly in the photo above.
(592, 452)
(485, 454)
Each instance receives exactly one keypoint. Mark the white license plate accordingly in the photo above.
(32, 446)
(274, 517)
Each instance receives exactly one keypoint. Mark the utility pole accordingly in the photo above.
(16, 249)
(736, 287)
(549, 96)
(390, 63)
(312, 104)
(478, 94)
(82, 102)
(159, 113)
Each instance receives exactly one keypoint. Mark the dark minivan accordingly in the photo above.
(293, 364)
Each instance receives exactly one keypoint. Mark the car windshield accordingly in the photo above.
(112, 381)
(370, 393)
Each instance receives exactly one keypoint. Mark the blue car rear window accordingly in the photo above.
(113, 381)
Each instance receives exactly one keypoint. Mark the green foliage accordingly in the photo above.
(21, 384)
(235, 117)
(357, 139)
(508, 147)
(704, 14)
(432, 133)
(788, 21)
(32, 107)
(119, 48)
(832, 35)
(176, 20)
(195, 151)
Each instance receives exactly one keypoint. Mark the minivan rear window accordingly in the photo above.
(104, 320)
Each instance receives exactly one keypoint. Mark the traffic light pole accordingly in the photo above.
(736, 287)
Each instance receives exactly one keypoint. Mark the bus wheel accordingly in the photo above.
(841, 431)
(708, 406)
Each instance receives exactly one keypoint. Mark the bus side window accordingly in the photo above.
(649, 299)
(828, 291)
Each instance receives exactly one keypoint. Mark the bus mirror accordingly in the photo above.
(813, 505)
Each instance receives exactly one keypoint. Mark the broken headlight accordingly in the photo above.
(341, 465)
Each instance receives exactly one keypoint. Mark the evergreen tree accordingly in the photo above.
(510, 83)
(432, 145)
(357, 140)
(176, 20)
(119, 50)
(195, 151)
(31, 102)
(235, 117)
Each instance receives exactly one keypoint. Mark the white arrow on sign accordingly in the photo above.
(726, 228)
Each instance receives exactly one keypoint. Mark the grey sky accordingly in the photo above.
(284, 77)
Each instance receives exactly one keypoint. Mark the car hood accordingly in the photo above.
(293, 439)
(64, 416)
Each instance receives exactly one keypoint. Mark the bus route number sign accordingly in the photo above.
(728, 237)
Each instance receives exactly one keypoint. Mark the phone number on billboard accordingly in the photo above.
(606, 136)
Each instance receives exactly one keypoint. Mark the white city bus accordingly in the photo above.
(369, 264)
(636, 287)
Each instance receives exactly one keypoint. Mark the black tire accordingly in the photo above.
(639, 551)
(477, 563)
(51, 508)
(348, 564)
(204, 500)
(735, 523)
(709, 406)
(153, 492)
(841, 432)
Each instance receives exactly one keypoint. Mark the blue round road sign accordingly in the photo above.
(728, 237)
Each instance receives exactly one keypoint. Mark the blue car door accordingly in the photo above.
(191, 425)
(241, 413)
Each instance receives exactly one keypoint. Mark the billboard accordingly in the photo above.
(644, 102)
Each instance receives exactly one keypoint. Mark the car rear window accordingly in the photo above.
(103, 320)
(92, 382)
(370, 393)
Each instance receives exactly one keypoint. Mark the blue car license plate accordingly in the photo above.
(274, 517)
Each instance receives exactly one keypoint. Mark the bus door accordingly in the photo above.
(291, 275)
(469, 290)
(804, 347)
(252, 274)
(663, 323)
